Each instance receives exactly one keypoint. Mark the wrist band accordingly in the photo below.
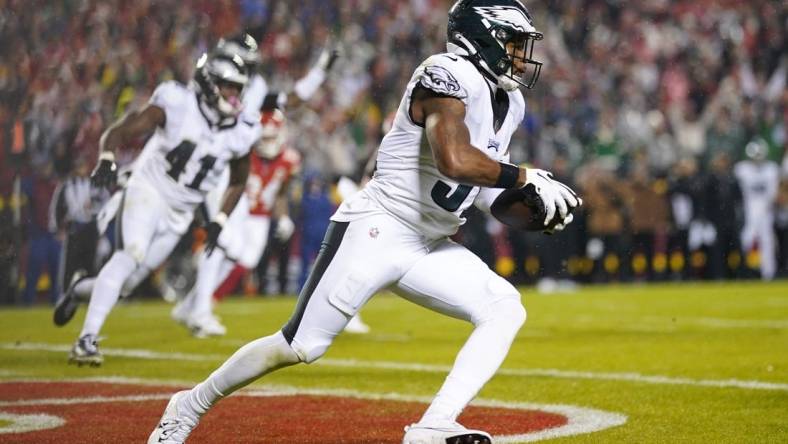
(220, 218)
(508, 176)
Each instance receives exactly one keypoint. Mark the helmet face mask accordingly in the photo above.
(217, 75)
(498, 36)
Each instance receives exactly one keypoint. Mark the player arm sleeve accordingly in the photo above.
(439, 80)
(168, 96)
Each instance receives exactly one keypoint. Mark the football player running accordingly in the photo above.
(195, 310)
(395, 232)
(243, 240)
(197, 131)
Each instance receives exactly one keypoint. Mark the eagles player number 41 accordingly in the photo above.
(179, 157)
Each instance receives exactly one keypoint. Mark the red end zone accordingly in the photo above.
(121, 413)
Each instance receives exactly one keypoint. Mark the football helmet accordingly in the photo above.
(274, 134)
(757, 149)
(214, 70)
(244, 46)
(480, 31)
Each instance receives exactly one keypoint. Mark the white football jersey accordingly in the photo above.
(407, 184)
(184, 159)
(759, 183)
(254, 93)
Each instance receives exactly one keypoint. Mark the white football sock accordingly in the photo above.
(211, 272)
(106, 290)
(478, 360)
(249, 363)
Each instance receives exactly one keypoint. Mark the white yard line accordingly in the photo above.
(741, 323)
(717, 322)
(428, 368)
(580, 420)
(123, 352)
(569, 374)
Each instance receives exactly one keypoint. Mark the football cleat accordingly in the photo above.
(444, 432)
(85, 351)
(207, 325)
(67, 305)
(180, 312)
(174, 427)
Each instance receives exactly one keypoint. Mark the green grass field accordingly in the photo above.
(705, 363)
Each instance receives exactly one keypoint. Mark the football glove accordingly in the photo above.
(212, 232)
(561, 225)
(328, 57)
(556, 196)
(284, 228)
(105, 175)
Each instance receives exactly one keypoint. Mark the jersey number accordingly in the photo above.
(179, 157)
(449, 202)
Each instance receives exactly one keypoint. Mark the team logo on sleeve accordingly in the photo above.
(440, 80)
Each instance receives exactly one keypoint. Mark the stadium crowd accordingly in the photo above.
(655, 110)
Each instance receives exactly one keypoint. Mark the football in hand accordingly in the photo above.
(522, 209)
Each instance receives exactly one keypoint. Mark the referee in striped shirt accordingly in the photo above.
(73, 211)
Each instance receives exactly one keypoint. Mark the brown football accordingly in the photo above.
(521, 209)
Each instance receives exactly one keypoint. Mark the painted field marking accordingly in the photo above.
(428, 368)
(580, 420)
(29, 423)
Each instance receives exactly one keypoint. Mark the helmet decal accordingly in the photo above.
(508, 16)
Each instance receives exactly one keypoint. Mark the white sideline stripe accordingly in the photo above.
(742, 323)
(569, 374)
(428, 368)
(124, 352)
(718, 322)
(85, 400)
(29, 423)
(580, 420)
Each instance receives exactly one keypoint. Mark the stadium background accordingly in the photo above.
(641, 105)
(615, 113)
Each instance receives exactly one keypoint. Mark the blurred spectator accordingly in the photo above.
(604, 221)
(316, 209)
(781, 226)
(722, 201)
(44, 246)
(759, 180)
(648, 214)
(684, 193)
